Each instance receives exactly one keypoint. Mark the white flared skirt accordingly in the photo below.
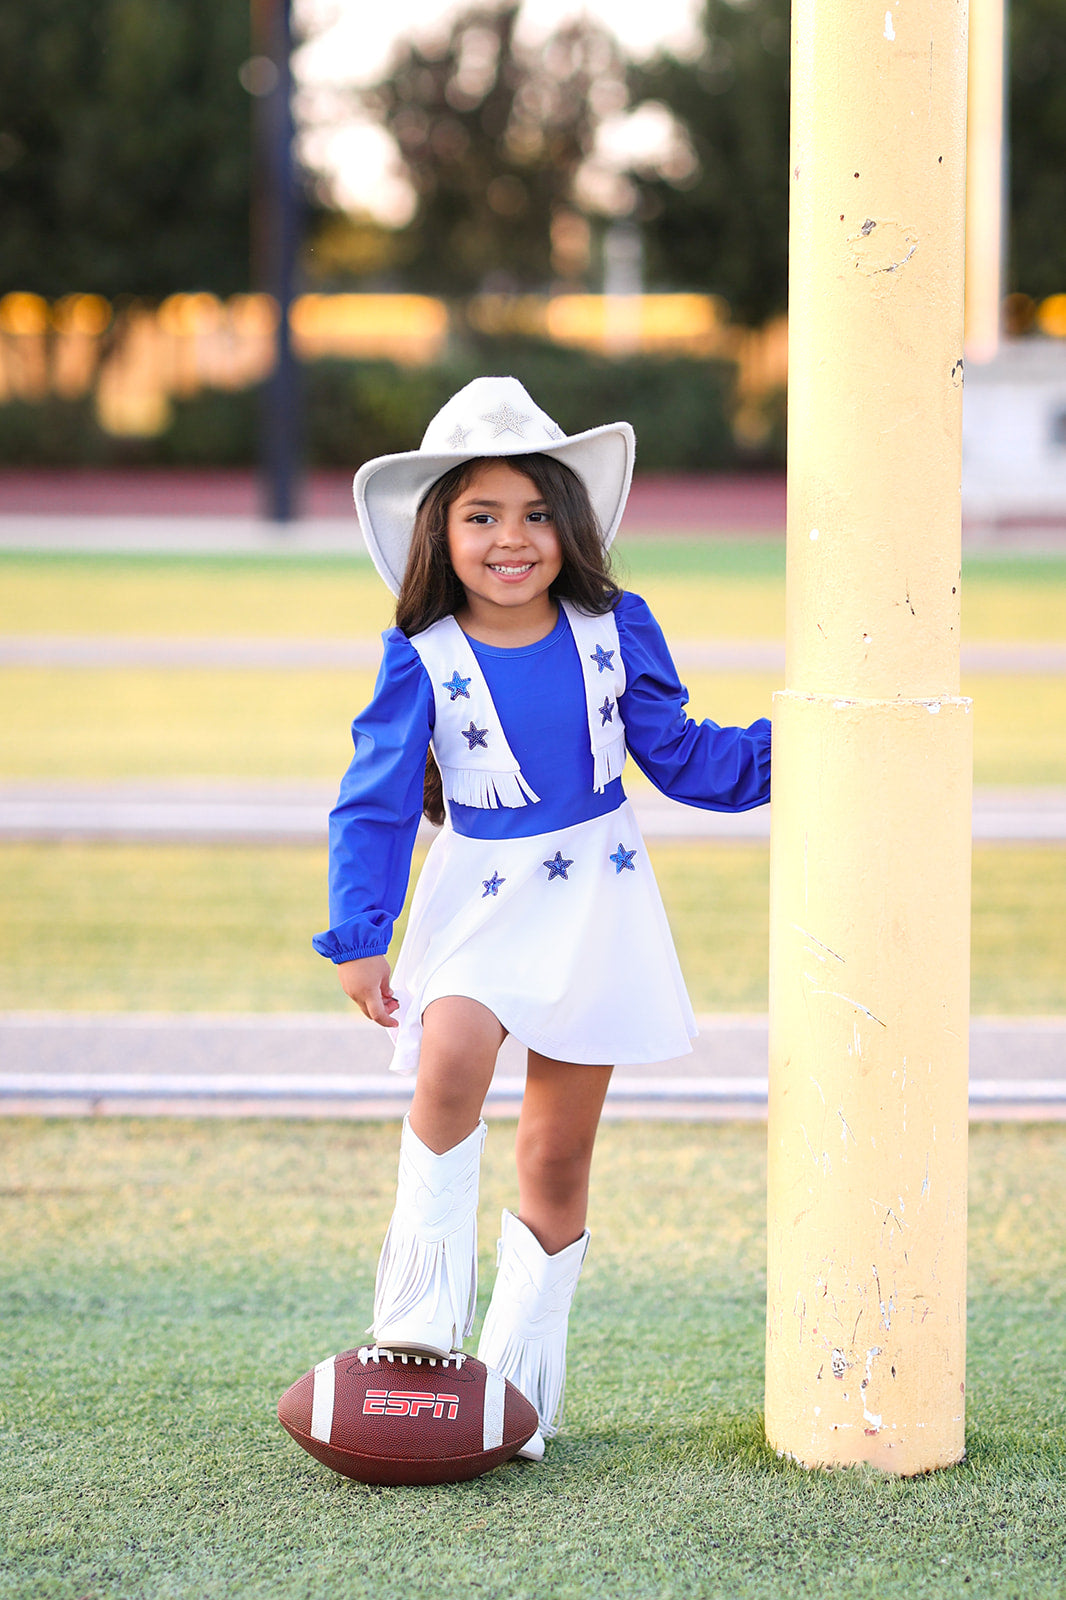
(563, 936)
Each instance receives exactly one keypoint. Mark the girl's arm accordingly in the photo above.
(372, 827)
(718, 769)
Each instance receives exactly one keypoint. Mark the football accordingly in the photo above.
(386, 1417)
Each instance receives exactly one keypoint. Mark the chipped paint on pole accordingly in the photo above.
(870, 851)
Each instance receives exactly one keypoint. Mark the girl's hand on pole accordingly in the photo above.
(367, 983)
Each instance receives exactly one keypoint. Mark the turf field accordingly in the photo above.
(162, 1282)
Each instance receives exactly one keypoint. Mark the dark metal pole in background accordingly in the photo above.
(279, 212)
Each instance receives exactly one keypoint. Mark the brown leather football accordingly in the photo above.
(386, 1417)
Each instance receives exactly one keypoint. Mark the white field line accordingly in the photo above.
(160, 810)
(1025, 656)
(342, 1087)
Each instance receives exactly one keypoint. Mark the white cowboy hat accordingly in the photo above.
(490, 417)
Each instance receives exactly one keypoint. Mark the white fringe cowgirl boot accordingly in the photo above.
(427, 1275)
(524, 1336)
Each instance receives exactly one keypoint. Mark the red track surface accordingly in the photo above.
(711, 503)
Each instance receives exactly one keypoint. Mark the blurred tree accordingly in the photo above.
(1037, 64)
(125, 146)
(492, 136)
(346, 250)
(723, 227)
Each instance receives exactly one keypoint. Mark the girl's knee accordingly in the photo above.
(452, 1088)
(555, 1159)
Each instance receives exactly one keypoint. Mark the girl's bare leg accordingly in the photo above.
(556, 1132)
(460, 1041)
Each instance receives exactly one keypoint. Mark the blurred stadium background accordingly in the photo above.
(602, 210)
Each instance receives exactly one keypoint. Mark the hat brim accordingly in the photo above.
(389, 489)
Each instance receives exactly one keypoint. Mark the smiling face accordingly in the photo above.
(505, 552)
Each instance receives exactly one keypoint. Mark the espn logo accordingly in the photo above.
(398, 1403)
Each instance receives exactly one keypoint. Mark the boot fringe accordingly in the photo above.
(525, 1331)
(414, 1272)
(536, 1367)
(427, 1271)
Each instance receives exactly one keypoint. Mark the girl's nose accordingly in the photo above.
(512, 534)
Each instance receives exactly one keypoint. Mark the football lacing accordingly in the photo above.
(377, 1353)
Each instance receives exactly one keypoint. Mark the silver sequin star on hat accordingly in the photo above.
(505, 419)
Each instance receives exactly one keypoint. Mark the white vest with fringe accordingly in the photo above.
(469, 744)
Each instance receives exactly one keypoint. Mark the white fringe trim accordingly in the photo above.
(486, 790)
(536, 1367)
(428, 1261)
(608, 763)
(526, 1325)
(416, 1275)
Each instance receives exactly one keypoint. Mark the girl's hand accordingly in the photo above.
(367, 983)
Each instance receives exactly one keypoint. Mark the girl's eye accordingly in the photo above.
(540, 516)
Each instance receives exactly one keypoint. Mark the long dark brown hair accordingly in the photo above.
(431, 590)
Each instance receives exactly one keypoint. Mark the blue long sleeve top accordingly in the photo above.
(538, 691)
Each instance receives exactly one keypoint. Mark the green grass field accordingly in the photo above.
(162, 1282)
(210, 928)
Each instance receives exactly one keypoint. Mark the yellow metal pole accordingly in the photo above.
(870, 849)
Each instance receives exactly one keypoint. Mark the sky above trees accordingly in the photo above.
(353, 45)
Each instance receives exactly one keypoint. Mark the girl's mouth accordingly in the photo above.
(518, 570)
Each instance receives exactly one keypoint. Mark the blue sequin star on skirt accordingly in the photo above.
(492, 885)
(606, 712)
(557, 868)
(604, 659)
(622, 858)
(476, 736)
(457, 686)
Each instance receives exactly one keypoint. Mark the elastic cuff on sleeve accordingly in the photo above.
(358, 955)
(326, 945)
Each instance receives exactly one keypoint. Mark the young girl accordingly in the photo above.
(526, 675)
